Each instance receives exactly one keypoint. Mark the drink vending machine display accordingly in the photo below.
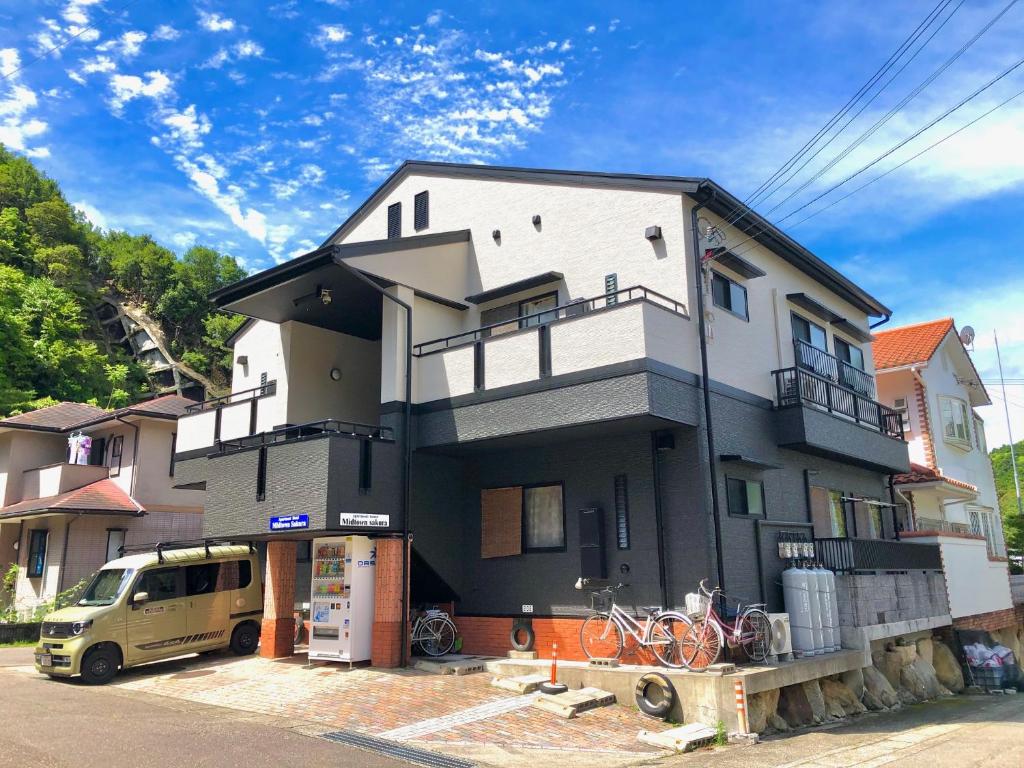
(341, 599)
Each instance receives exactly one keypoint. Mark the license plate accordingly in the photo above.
(45, 659)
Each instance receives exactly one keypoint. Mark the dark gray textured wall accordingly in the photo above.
(830, 436)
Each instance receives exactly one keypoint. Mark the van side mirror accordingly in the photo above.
(140, 598)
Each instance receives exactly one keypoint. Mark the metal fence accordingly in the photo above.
(794, 386)
(859, 555)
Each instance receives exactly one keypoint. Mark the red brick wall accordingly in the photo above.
(277, 636)
(386, 645)
(990, 621)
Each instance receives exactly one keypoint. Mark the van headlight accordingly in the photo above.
(80, 627)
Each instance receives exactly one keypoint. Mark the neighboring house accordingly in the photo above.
(925, 372)
(555, 407)
(61, 520)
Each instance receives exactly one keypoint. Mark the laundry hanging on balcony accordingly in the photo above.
(79, 447)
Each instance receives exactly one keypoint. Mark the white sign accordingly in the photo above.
(527, 608)
(365, 521)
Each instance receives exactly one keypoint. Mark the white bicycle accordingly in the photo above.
(603, 635)
(434, 632)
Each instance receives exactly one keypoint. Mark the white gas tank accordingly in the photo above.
(817, 622)
(829, 629)
(797, 596)
(833, 594)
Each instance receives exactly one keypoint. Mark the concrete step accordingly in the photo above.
(571, 703)
(450, 666)
(681, 739)
(520, 684)
(522, 655)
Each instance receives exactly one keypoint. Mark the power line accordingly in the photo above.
(894, 110)
(863, 107)
(57, 47)
(846, 107)
(892, 149)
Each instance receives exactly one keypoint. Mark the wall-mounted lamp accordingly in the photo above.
(536, 219)
(653, 233)
(496, 234)
(335, 374)
(243, 359)
(325, 296)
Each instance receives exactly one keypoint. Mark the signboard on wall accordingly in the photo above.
(362, 520)
(289, 522)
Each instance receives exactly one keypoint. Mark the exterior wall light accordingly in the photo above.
(496, 234)
(536, 219)
(335, 374)
(325, 296)
(653, 233)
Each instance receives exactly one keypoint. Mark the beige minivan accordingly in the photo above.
(151, 606)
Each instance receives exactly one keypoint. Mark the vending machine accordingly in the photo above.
(341, 598)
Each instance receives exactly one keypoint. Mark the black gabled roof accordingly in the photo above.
(703, 190)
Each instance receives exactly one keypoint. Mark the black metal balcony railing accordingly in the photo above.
(241, 396)
(860, 555)
(796, 386)
(831, 367)
(570, 309)
(312, 429)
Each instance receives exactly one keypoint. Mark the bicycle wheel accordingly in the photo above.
(701, 645)
(665, 637)
(436, 636)
(601, 638)
(756, 634)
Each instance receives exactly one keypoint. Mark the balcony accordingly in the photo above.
(594, 360)
(830, 367)
(817, 415)
(54, 479)
(226, 418)
(335, 476)
(844, 555)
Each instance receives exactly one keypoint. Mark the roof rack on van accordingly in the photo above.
(165, 546)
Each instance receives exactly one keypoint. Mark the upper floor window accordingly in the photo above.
(810, 333)
(745, 497)
(979, 435)
(849, 353)
(729, 295)
(116, 450)
(900, 406)
(538, 304)
(394, 220)
(421, 211)
(955, 429)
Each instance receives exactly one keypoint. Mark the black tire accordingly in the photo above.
(521, 627)
(245, 639)
(99, 665)
(660, 705)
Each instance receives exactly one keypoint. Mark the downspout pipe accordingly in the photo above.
(135, 456)
(406, 446)
(706, 390)
(883, 321)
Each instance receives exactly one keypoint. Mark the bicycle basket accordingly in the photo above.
(601, 601)
(697, 604)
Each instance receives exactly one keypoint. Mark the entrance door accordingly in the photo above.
(157, 627)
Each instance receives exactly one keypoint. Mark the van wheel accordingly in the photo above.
(100, 665)
(244, 639)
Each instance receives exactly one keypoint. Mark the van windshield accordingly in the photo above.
(106, 586)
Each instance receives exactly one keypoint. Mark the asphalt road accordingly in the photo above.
(57, 724)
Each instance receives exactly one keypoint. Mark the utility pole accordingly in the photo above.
(1009, 429)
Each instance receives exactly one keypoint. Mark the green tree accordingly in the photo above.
(1013, 522)
(52, 222)
(21, 185)
(139, 267)
(15, 239)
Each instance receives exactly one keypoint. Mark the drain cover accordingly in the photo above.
(396, 750)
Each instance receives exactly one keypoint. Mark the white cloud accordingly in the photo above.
(214, 22)
(128, 45)
(124, 88)
(247, 49)
(187, 127)
(434, 18)
(613, 25)
(92, 213)
(184, 240)
(166, 32)
(591, 29)
(329, 34)
(18, 128)
(75, 24)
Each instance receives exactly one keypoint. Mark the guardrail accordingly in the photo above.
(942, 526)
(570, 309)
(264, 390)
(824, 364)
(348, 429)
(795, 386)
(858, 555)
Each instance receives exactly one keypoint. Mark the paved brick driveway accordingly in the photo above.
(443, 711)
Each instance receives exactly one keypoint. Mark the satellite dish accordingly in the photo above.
(967, 335)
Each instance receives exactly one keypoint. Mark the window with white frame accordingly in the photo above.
(900, 406)
(979, 434)
(955, 429)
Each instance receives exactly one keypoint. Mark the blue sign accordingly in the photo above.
(289, 522)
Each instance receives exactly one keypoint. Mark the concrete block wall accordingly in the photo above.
(867, 599)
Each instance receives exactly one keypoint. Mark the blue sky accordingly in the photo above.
(256, 127)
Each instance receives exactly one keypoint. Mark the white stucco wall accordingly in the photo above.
(266, 346)
(21, 450)
(511, 359)
(154, 484)
(974, 583)
(444, 374)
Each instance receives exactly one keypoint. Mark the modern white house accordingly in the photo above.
(926, 373)
(77, 482)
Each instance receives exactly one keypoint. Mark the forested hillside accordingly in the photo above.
(1013, 523)
(54, 266)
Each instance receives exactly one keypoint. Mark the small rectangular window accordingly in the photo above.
(543, 518)
(849, 353)
(116, 449)
(621, 512)
(745, 497)
(729, 295)
(534, 311)
(611, 285)
(263, 381)
(501, 522)
(261, 475)
(115, 540)
(955, 427)
(174, 445)
(979, 435)
(421, 211)
(811, 333)
(365, 466)
(37, 552)
(394, 221)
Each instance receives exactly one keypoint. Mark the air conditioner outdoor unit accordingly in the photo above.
(782, 641)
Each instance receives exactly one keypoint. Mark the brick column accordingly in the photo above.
(278, 634)
(386, 646)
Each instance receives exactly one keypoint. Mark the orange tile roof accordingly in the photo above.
(921, 474)
(909, 344)
(102, 496)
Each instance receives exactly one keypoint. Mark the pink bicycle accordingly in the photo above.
(703, 640)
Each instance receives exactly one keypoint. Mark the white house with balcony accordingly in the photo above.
(926, 373)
